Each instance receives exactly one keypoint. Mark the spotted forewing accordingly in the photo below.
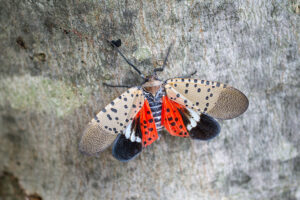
(111, 121)
(213, 98)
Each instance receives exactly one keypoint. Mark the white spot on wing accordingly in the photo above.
(193, 122)
(127, 131)
(195, 115)
(193, 119)
(132, 138)
(189, 127)
(138, 139)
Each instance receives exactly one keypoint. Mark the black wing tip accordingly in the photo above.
(206, 129)
(124, 160)
(124, 150)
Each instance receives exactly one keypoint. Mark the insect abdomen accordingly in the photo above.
(156, 113)
(155, 104)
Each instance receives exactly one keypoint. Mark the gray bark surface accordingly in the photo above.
(54, 60)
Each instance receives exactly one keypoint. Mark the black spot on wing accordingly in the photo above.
(109, 117)
(113, 110)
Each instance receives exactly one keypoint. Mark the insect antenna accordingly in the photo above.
(128, 62)
(165, 61)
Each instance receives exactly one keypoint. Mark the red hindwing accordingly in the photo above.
(171, 118)
(147, 125)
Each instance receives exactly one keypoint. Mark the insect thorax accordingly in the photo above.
(155, 103)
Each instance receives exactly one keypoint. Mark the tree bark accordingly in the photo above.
(54, 60)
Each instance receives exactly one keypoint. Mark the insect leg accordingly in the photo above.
(123, 86)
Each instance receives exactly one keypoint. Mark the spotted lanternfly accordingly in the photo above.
(185, 107)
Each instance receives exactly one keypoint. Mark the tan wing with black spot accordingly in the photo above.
(213, 98)
(111, 121)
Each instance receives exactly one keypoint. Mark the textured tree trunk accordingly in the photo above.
(54, 60)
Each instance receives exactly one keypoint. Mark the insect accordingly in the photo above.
(184, 106)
